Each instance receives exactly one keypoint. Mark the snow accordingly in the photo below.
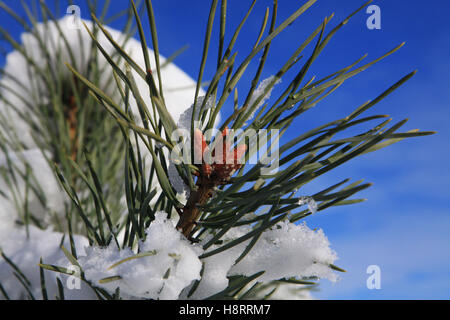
(26, 248)
(40, 176)
(217, 267)
(284, 251)
(259, 92)
(26, 253)
(289, 250)
(184, 121)
(7, 217)
(147, 277)
(312, 205)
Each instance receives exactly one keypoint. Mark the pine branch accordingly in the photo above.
(107, 141)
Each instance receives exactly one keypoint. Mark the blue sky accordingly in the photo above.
(404, 226)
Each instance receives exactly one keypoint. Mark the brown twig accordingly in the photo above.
(210, 176)
(191, 212)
